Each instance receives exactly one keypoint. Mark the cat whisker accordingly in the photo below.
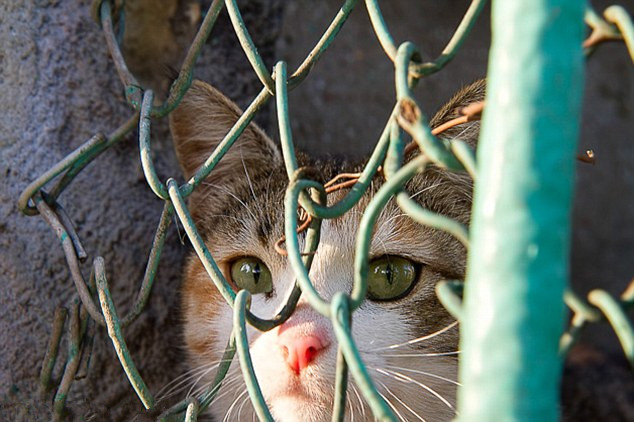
(420, 418)
(246, 173)
(231, 217)
(382, 242)
(389, 403)
(419, 339)
(244, 401)
(257, 202)
(183, 378)
(233, 405)
(464, 130)
(270, 216)
(359, 400)
(190, 372)
(226, 386)
(406, 379)
(204, 391)
(394, 217)
(428, 188)
(418, 355)
(424, 373)
(200, 377)
(181, 381)
(355, 213)
(234, 196)
(382, 213)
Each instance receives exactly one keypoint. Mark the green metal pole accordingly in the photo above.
(518, 265)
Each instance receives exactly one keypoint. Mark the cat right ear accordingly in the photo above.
(202, 119)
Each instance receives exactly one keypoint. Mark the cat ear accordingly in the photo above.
(202, 120)
(469, 131)
(447, 192)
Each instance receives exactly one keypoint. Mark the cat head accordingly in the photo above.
(239, 212)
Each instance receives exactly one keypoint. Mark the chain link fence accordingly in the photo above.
(96, 309)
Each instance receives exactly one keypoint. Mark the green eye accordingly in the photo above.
(251, 274)
(390, 277)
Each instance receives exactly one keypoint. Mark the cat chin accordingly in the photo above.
(298, 408)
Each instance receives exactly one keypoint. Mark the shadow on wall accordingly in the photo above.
(342, 107)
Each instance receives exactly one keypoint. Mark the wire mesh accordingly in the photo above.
(41, 197)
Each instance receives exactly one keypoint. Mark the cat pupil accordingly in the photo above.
(256, 273)
(388, 273)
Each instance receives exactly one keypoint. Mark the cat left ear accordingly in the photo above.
(202, 120)
(470, 131)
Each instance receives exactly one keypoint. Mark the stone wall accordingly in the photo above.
(58, 88)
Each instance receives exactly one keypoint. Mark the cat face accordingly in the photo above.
(407, 340)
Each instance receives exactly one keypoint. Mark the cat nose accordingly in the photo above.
(300, 351)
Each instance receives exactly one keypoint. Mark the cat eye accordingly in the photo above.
(250, 273)
(390, 278)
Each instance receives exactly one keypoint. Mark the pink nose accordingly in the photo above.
(299, 352)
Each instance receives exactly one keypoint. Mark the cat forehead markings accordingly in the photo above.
(250, 222)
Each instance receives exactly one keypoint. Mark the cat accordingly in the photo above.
(239, 212)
